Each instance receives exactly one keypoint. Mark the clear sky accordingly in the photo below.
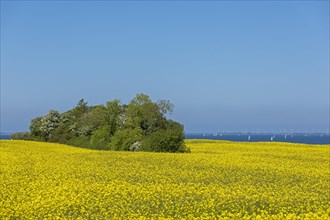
(227, 66)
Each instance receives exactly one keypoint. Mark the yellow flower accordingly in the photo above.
(218, 180)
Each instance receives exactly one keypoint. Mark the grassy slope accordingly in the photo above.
(219, 178)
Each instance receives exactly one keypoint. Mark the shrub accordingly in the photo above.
(100, 138)
(61, 134)
(80, 142)
(165, 140)
(21, 136)
(126, 139)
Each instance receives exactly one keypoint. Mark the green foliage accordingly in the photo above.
(126, 139)
(100, 138)
(82, 104)
(140, 125)
(79, 142)
(143, 114)
(165, 106)
(114, 116)
(35, 130)
(22, 136)
(170, 139)
(61, 134)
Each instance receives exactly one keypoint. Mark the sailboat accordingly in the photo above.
(249, 137)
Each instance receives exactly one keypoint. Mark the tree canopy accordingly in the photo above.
(141, 125)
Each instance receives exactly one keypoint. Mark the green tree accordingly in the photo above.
(35, 128)
(165, 106)
(82, 105)
(143, 114)
(100, 138)
(114, 116)
(90, 121)
(80, 109)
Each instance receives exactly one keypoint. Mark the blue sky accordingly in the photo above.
(227, 66)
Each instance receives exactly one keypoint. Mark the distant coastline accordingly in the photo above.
(5, 136)
(258, 133)
(304, 138)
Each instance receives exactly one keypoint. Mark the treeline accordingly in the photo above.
(139, 126)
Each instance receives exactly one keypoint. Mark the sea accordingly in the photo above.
(5, 136)
(315, 138)
(305, 138)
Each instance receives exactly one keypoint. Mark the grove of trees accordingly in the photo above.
(139, 126)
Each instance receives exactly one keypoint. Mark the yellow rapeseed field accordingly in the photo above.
(217, 180)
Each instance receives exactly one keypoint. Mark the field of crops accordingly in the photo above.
(218, 179)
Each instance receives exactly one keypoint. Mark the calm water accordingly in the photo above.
(5, 137)
(294, 138)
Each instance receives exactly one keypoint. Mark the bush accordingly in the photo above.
(127, 139)
(21, 136)
(166, 140)
(79, 142)
(100, 138)
(61, 135)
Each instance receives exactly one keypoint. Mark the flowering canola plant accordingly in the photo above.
(217, 180)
